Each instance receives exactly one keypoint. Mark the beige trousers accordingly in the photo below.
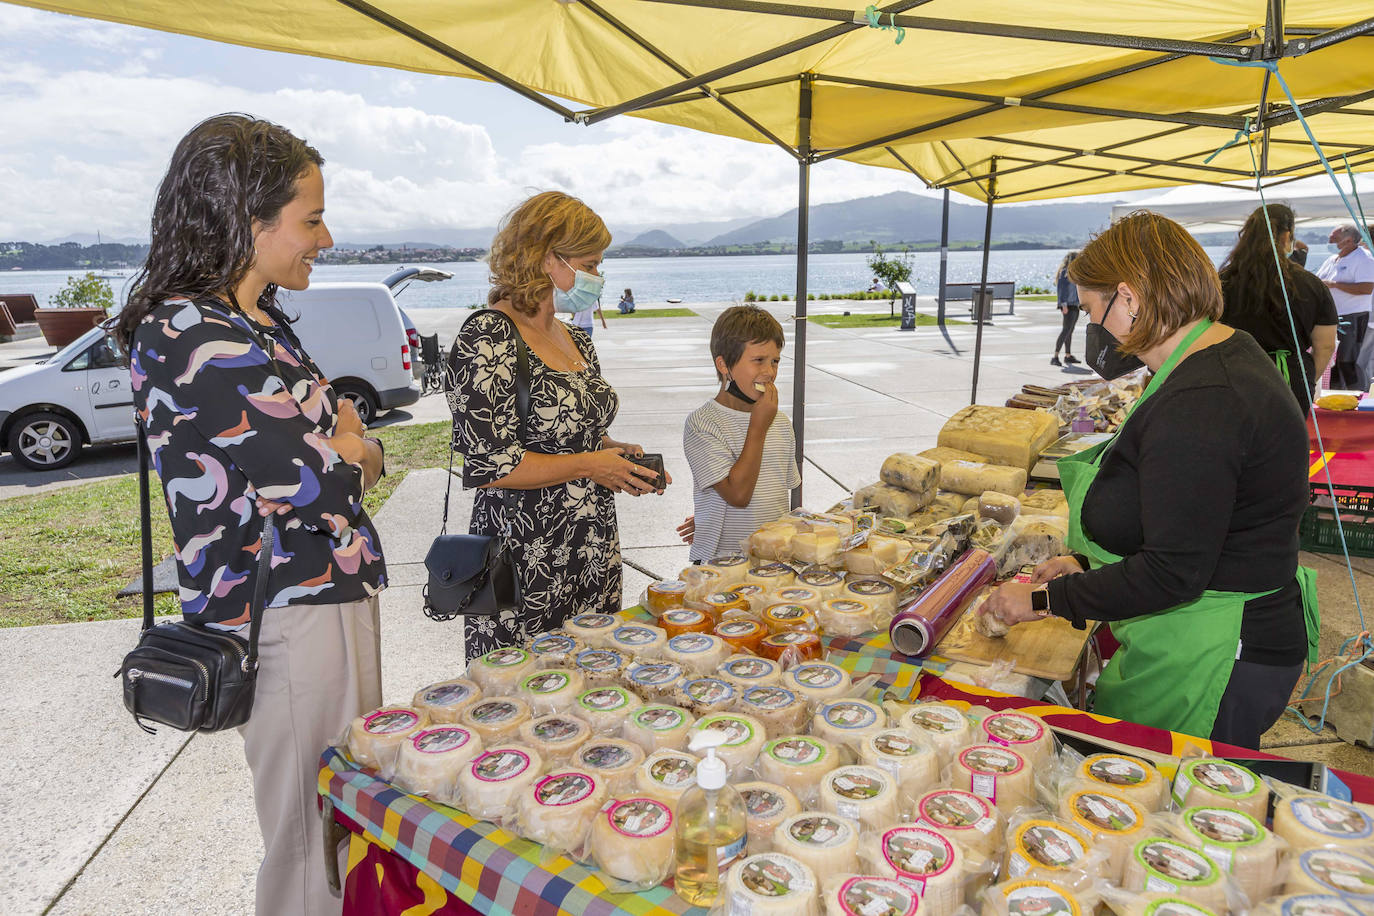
(320, 666)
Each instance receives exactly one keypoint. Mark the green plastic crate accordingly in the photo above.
(1318, 532)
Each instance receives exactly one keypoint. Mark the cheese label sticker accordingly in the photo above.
(389, 721)
(439, 740)
(605, 756)
(1174, 907)
(864, 896)
(690, 642)
(604, 699)
(564, 789)
(746, 590)
(1038, 900)
(986, 759)
(1342, 872)
(673, 772)
(546, 682)
(729, 559)
(846, 606)
(792, 637)
(870, 587)
(849, 714)
(917, 851)
(1050, 846)
(640, 817)
(1104, 812)
(787, 612)
(446, 695)
(770, 697)
(749, 668)
(493, 712)
(856, 786)
(593, 621)
(1175, 862)
(820, 830)
(1117, 771)
(1224, 825)
(656, 674)
(504, 658)
(494, 766)
(1317, 905)
(659, 718)
(736, 628)
(599, 660)
(771, 570)
(799, 750)
(708, 690)
(762, 803)
(634, 636)
(770, 876)
(819, 578)
(954, 809)
(894, 744)
(1010, 728)
(552, 645)
(1221, 777)
(683, 617)
(556, 728)
(935, 718)
(1331, 818)
(795, 594)
(737, 730)
(817, 677)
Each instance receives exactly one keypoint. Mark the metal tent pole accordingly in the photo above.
(803, 240)
(944, 262)
(983, 282)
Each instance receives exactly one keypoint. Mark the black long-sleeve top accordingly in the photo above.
(1203, 489)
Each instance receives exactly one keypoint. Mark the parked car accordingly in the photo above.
(403, 278)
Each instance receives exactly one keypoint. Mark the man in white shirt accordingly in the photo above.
(1349, 274)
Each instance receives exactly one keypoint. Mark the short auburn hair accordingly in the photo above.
(550, 221)
(739, 326)
(1165, 266)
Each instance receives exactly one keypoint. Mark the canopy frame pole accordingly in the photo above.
(1263, 123)
(697, 95)
(983, 282)
(803, 243)
(1333, 36)
(1273, 47)
(1111, 153)
(944, 264)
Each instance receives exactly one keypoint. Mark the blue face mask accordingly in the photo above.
(585, 292)
(1333, 248)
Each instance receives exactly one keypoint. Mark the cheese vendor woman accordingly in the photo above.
(1185, 524)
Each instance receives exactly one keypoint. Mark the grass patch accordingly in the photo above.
(612, 314)
(1036, 297)
(65, 553)
(876, 320)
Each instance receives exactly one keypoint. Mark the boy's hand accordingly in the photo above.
(766, 407)
(688, 529)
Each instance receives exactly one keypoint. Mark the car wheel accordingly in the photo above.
(45, 441)
(364, 401)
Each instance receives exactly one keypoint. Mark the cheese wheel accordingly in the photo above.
(822, 841)
(551, 690)
(781, 618)
(500, 670)
(601, 667)
(808, 597)
(606, 708)
(654, 681)
(665, 775)
(909, 758)
(1308, 905)
(1238, 843)
(495, 720)
(921, 858)
(703, 696)
(702, 580)
(555, 649)
(558, 810)
(1032, 898)
(697, 652)
(593, 630)
(827, 583)
(973, 479)
(1220, 783)
(446, 700)
(1050, 851)
(819, 545)
(1023, 733)
(848, 723)
(632, 841)
(780, 710)
(770, 884)
(798, 762)
(613, 761)
(1163, 904)
(659, 726)
(746, 738)
(861, 793)
(431, 760)
(1114, 824)
(845, 617)
(556, 736)
(742, 634)
(663, 596)
(1305, 821)
(946, 726)
(880, 595)
(1127, 777)
(1333, 871)
(998, 774)
(1169, 866)
(732, 567)
(492, 784)
(914, 473)
(755, 594)
(818, 682)
(766, 805)
(792, 646)
(719, 604)
(865, 895)
(965, 818)
(770, 575)
(639, 641)
(748, 671)
(685, 620)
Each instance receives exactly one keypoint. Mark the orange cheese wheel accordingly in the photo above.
(686, 620)
(805, 646)
(742, 634)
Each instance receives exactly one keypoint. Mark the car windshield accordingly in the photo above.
(75, 347)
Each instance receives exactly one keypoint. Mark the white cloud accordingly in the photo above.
(23, 26)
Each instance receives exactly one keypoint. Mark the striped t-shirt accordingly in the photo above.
(713, 439)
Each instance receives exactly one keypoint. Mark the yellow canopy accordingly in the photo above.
(1066, 96)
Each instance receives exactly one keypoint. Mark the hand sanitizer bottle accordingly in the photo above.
(711, 826)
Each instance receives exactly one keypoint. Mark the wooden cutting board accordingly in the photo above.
(1048, 648)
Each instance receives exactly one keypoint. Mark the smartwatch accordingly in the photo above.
(1040, 600)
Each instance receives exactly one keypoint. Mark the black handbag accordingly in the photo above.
(473, 575)
(183, 675)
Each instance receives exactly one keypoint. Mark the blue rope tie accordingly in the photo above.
(874, 19)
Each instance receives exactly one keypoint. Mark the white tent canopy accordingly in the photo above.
(1208, 209)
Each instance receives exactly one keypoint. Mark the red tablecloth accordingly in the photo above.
(1342, 430)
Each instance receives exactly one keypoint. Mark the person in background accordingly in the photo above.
(585, 318)
(1299, 253)
(1067, 294)
(1253, 288)
(627, 302)
(1349, 274)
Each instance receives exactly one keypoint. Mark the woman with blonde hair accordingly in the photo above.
(560, 467)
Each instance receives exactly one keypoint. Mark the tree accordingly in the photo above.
(88, 291)
(890, 270)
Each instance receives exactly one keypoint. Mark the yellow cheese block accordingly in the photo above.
(1006, 435)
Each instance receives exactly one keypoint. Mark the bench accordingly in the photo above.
(21, 306)
(7, 328)
(1001, 289)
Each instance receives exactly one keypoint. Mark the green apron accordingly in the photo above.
(1173, 666)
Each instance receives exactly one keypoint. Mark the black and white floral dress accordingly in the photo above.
(565, 540)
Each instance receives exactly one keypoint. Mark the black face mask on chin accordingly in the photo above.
(1103, 352)
(735, 390)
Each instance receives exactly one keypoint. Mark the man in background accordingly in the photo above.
(1349, 274)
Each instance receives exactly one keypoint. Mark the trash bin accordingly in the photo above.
(908, 294)
(982, 305)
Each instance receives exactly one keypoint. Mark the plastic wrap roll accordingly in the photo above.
(431, 761)
(1032, 898)
(703, 696)
(633, 840)
(445, 701)
(742, 635)
(1129, 777)
(781, 711)
(551, 690)
(1333, 871)
(661, 597)
(1051, 851)
(614, 760)
(1209, 781)
(962, 816)
(601, 667)
(685, 620)
(555, 649)
(701, 653)
(1305, 821)
(845, 617)
(1169, 866)
(747, 671)
(848, 722)
(818, 682)
(495, 720)
(658, 726)
(861, 793)
(592, 629)
(558, 810)
(639, 641)
(792, 644)
(556, 736)
(998, 774)
(798, 762)
(823, 842)
(780, 618)
(923, 859)
(828, 583)
(606, 708)
(654, 681)
(910, 758)
(770, 884)
(766, 805)
(920, 626)
(732, 567)
(500, 670)
(864, 895)
(665, 775)
(1115, 824)
(946, 726)
(1023, 733)
(1238, 843)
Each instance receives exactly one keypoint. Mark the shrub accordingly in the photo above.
(83, 292)
(810, 296)
(750, 296)
(784, 297)
(773, 298)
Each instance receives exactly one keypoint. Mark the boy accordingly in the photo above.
(740, 448)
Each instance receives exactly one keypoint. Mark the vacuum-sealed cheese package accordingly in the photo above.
(1220, 783)
(719, 604)
(606, 709)
(1128, 777)
(770, 576)
(593, 630)
(1241, 845)
(495, 720)
(797, 593)
(1333, 871)
(818, 682)
(766, 805)
(558, 810)
(665, 775)
(998, 774)
(1023, 733)
(1115, 824)
(702, 696)
(431, 760)
(741, 634)
(866, 895)
(946, 726)
(601, 667)
(861, 793)
(1162, 864)
(845, 617)
(702, 580)
(613, 760)
(1033, 898)
(910, 758)
(554, 650)
(1052, 851)
(445, 701)
(1305, 821)
(491, 785)
(745, 739)
(658, 726)
(826, 582)
(770, 884)
(747, 671)
(848, 722)
(551, 689)
(654, 681)
(698, 652)
(632, 841)
(968, 819)
(880, 595)
(755, 594)
(1159, 903)
(661, 597)
(556, 736)
(680, 621)
(780, 618)
(798, 762)
(781, 711)
(1309, 905)
(823, 842)
(639, 641)
(731, 566)
(500, 670)
(921, 858)
(791, 646)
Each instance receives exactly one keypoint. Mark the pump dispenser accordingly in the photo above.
(711, 825)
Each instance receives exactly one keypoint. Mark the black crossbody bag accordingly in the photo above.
(473, 575)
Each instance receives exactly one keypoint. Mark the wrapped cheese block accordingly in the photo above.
(1305, 821)
(1113, 823)
(798, 762)
(940, 454)
(1163, 904)
(766, 805)
(779, 618)
(1333, 871)
(592, 629)
(654, 681)
(770, 575)
(699, 652)
(847, 723)
(1128, 777)
(804, 595)
(845, 617)
(492, 784)
(1006, 435)
(664, 596)
(500, 670)
(745, 739)
(780, 710)
(1023, 733)
(1045, 501)
(770, 884)
(446, 700)
(495, 720)
(998, 506)
(965, 818)
(702, 696)
(702, 580)
(665, 775)
(755, 594)
(879, 594)
(822, 841)
(639, 641)
(861, 793)
(827, 583)
(973, 479)
(430, 762)
(1034, 539)
(555, 649)
(1166, 865)
(923, 859)
(820, 545)
(558, 810)
(1308, 905)
(732, 567)
(1033, 898)
(742, 635)
(818, 682)
(601, 667)
(915, 473)
(556, 736)
(792, 646)
(612, 760)
(1220, 783)
(605, 709)
(719, 604)
(909, 758)
(772, 541)
(998, 774)
(1238, 843)
(632, 840)
(864, 895)
(657, 726)
(685, 620)
(747, 671)
(891, 500)
(1051, 851)
(946, 726)
(551, 690)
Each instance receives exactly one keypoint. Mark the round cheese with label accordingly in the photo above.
(685, 620)
(558, 809)
(868, 895)
(431, 760)
(555, 649)
(1308, 905)
(491, 785)
(766, 805)
(848, 723)
(1032, 898)
(946, 726)
(639, 641)
(998, 774)
(792, 646)
(702, 580)
(845, 617)
(909, 757)
(1166, 905)
(780, 618)
(780, 710)
(658, 726)
(1332, 871)
(798, 762)
(732, 567)
(556, 736)
(500, 670)
(755, 594)
(803, 595)
(1113, 823)
(1052, 851)
(968, 820)
(593, 630)
(445, 701)
(747, 671)
(770, 576)
(495, 720)
(654, 681)
(823, 842)
(665, 775)
(702, 696)
(819, 545)
(606, 708)
(745, 738)
(601, 667)
(718, 604)
(613, 760)
(1127, 777)
(770, 884)
(661, 597)
(880, 595)
(1208, 781)
(1238, 843)
(551, 690)
(862, 793)
(701, 653)
(922, 859)
(1023, 733)
(1169, 866)
(632, 840)
(741, 634)
(818, 682)
(827, 583)
(1305, 821)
